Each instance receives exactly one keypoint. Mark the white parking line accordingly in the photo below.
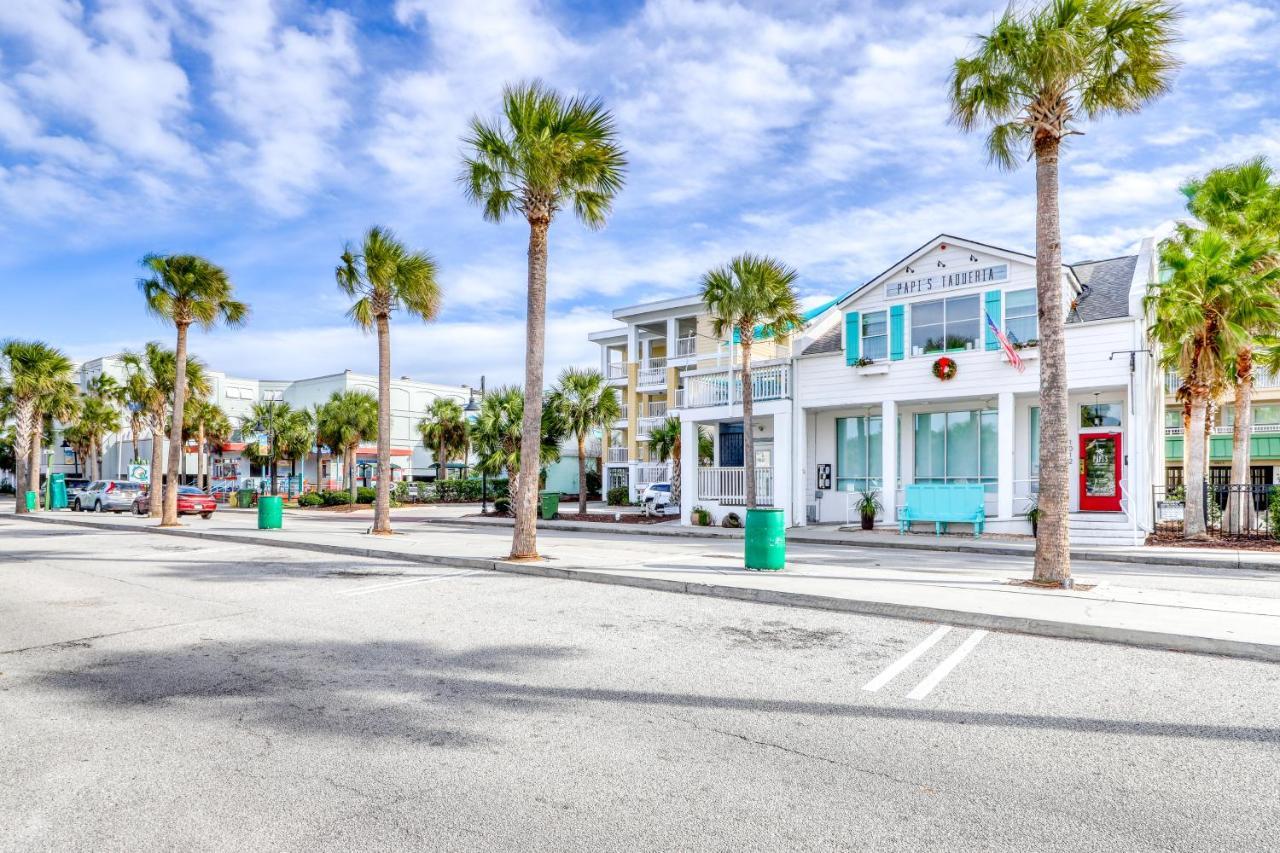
(906, 660)
(931, 680)
(410, 582)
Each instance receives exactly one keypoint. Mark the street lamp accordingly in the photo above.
(473, 409)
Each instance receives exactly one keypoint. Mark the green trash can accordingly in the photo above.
(244, 498)
(766, 540)
(33, 501)
(550, 504)
(57, 497)
(270, 512)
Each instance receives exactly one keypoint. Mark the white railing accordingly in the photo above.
(1171, 382)
(622, 412)
(1230, 430)
(646, 474)
(652, 376)
(644, 426)
(617, 370)
(656, 363)
(658, 409)
(686, 347)
(1173, 430)
(716, 389)
(729, 485)
(1261, 379)
(617, 454)
(679, 398)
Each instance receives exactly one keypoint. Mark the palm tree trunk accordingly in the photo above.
(155, 488)
(1193, 522)
(170, 517)
(524, 541)
(33, 457)
(1241, 436)
(582, 474)
(351, 469)
(1053, 547)
(134, 427)
(747, 332)
(382, 498)
(24, 417)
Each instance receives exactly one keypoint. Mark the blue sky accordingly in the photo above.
(265, 133)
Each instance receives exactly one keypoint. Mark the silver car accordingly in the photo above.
(107, 496)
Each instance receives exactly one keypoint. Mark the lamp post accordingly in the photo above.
(473, 410)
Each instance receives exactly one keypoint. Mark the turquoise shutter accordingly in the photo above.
(897, 327)
(852, 337)
(993, 308)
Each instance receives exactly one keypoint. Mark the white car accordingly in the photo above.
(657, 499)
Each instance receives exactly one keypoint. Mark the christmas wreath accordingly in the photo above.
(944, 369)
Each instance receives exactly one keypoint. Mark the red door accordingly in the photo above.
(1100, 472)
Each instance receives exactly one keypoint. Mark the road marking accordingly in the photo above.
(943, 669)
(906, 660)
(410, 582)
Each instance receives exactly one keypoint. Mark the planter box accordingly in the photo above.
(877, 369)
(1026, 354)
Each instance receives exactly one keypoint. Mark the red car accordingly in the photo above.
(191, 501)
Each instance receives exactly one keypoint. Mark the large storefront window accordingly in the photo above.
(956, 447)
(1035, 443)
(1020, 316)
(941, 325)
(858, 443)
(875, 336)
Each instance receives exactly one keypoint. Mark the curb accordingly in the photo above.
(1012, 624)
(1232, 561)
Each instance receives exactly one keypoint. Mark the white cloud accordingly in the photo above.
(1215, 32)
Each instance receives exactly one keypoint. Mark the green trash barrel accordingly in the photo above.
(244, 498)
(57, 486)
(270, 512)
(766, 540)
(550, 504)
(32, 501)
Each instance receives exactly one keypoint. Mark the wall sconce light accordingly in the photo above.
(973, 258)
(941, 264)
(909, 271)
(1096, 418)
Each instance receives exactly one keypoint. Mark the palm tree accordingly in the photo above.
(545, 153)
(1196, 324)
(664, 443)
(1029, 81)
(297, 436)
(36, 374)
(748, 296)
(498, 436)
(213, 429)
(383, 276)
(97, 418)
(587, 403)
(445, 432)
(1242, 201)
(186, 290)
(346, 419)
(270, 419)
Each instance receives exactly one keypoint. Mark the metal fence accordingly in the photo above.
(1231, 511)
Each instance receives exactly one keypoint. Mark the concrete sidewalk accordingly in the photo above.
(1231, 611)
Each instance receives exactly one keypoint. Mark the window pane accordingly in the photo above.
(990, 446)
(962, 445)
(1021, 329)
(874, 445)
(923, 313)
(1035, 442)
(875, 335)
(874, 323)
(930, 441)
(1262, 415)
(851, 450)
(962, 321)
(1172, 418)
(875, 348)
(1101, 415)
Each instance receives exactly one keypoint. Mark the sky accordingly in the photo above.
(265, 134)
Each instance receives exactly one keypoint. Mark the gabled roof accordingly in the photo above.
(1105, 288)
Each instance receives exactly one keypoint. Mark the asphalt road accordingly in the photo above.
(161, 694)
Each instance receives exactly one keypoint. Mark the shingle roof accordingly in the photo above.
(828, 341)
(1106, 289)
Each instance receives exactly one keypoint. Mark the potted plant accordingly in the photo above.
(864, 362)
(701, 516)
(1033, 515)
(868, 506)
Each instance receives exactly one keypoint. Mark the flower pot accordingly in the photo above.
(868, 521)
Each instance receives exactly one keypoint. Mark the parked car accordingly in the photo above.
(656, 499)
(106, 496)
(191, 501)
(75, 485)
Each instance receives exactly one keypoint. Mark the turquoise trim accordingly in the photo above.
(897, 333)
(992, 305)
(852, 337)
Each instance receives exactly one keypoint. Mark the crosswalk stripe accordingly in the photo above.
(906, 660)
(410, 582)
(943, 669)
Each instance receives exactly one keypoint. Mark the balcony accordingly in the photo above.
(1258, 429)
(617, 455)
(645, 426)
(652, 374)
(658, 409)
(715, 389)
(686, 347)
(1261, 379)
(729, 485)
(650, 472)
(621, 419)
(616, 371)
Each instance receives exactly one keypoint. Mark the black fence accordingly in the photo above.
(1230, 511)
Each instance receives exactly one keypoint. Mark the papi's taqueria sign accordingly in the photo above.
(946, 281)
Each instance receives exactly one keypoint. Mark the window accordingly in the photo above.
(1020, 323)
(1173, 418)
(1265, 414)
(942, 325)
(858, 443)
(875, 336)
(1101, 415)
(1035, 443)
(956, 447)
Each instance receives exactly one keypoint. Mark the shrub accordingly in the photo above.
(366, 494)
(731, 520)
(502, 504)
(618, 496)
(469, 490)
(311, 499)
(6, 488)
(1273, 511)
(701, 516)
(400, 492)
(337, 498)
(593, 481)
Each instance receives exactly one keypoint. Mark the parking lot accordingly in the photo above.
(163, 693)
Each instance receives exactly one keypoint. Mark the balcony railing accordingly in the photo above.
(617, 370)
(622, 412)
(729, 485)
(1229, 430)
(1261, 379)
(658, 409)
(716, 389)
(617, 454)
(686, 347)
(651, 376)
(652, 473)
(645, 426)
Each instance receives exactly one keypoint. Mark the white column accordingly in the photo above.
(688, 470)
(633, 343)
(1005, 455)
(800, 486)
(671, 337)
(889, 460)
(782, 491)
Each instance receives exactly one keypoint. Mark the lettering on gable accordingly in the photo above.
(946, 281)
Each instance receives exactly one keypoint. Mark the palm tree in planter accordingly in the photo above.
(383, 277)
(498, 438)
(35, 373)
(664, 443)
(348, 418)
(1030, 81)
(751, 296)
(445, 432)
(587, 403)
(186, 290)
(545, 154)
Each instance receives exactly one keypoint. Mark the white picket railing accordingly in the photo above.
(729, 485)
(617, 454)
(622, 412)
(644, 426)
(1261, 379)
(651, 376)
(617, 370)
(646, 474)
(686, 347)
(716, 389)
(658, 409)
(1229, 430)
(658, 362)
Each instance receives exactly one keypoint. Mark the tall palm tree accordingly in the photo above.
(1196, 323)
(297, 436)
(97, 418)
(587, 403)
(348, 418)
(186, 290)
(498, 437)
(1030, 81)
(383, 276)
(271, 420)
(35, 373)
(751, 295)
(445, 432)
(545, 153)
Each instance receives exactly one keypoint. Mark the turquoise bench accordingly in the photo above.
(942, 503)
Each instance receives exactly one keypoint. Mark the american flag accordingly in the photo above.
(1014, 359)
